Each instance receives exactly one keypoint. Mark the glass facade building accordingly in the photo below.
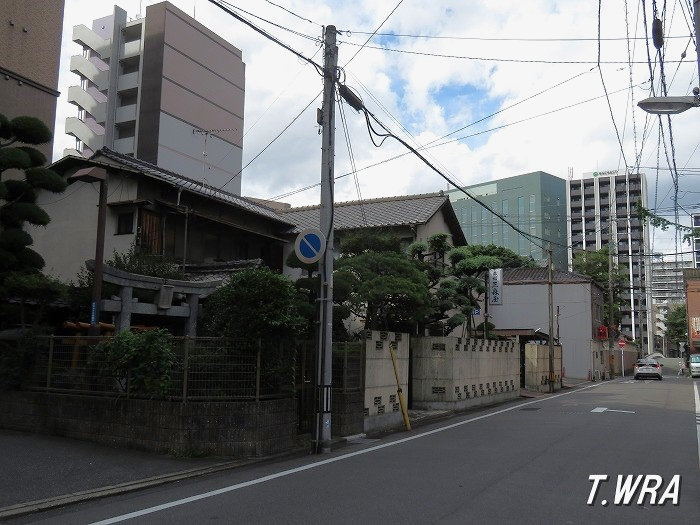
(534, 202)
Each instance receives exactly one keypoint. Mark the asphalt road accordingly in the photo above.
(524, 462)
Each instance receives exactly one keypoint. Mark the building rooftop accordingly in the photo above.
(406, 210)
(175, 179)
(539, 275)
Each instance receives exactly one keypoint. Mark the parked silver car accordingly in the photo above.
(695, 365)
(648, 368)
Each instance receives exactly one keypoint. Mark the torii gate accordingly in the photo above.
(165, 288)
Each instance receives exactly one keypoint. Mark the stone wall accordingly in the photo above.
(454, 373)
(381, 409)
(537, 367)
(223, 428)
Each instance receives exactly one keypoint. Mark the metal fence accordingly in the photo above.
(201, 369)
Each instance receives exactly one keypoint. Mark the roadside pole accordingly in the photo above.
(551, 317)
(324, 356)
(610, 305)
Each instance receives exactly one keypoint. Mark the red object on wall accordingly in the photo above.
(602, 332)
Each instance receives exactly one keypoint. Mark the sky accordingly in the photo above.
(517, 87)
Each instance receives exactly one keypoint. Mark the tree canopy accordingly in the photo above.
(595, 265)
(256, 302)
(677, 325)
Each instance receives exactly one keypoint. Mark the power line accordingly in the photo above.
(273, 140)
(605, 89)
(433, 143)
(294, 14)
(264, 33)
(351, 155)
(496, 39)
(373, 33)
(490, 59)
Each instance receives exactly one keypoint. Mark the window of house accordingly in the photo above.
(125, 223)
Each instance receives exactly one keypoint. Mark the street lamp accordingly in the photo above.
(670, 105)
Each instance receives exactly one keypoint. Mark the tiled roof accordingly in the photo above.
(192, 186)
(539, 275)
(387, 211)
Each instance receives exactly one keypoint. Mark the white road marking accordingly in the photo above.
(697, 416)
(237, 486)
(603, 409)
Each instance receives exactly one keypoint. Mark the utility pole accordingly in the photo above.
(324, 356)
(696, 14)
(551, 317)
(610, 301)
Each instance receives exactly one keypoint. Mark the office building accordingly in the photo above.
(534, 202)
(30, 44)
(601, 209)
(162, 88)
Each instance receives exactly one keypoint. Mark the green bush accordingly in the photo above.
(140, 363)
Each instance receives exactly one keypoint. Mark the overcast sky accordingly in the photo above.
(517, 50)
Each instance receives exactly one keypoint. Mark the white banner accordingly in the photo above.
(496, 286)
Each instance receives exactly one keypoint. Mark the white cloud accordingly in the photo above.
(278, 86)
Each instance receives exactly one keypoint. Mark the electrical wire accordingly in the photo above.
(373, 33)
(434, 144)
(294, 14)
(490, 59)
(497, 39)
(219, 4)
(272, 141)
(607, 97)
(351, 155)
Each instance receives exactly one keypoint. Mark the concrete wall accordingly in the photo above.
(69, 239)
(537, 367)
(381, 407)
(235, 428)
(630, 354)
(30, 40)
(454, 373)
(525, 307)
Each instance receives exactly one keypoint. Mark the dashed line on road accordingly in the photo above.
(284, 473)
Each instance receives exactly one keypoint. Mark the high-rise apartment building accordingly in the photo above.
(666, 292)
(695, 221)
(601, 210)
(534, 202)
(162, 88)
(30, 52)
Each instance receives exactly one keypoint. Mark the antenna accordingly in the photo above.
(206, 133)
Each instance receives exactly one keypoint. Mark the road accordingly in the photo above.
(524, 462)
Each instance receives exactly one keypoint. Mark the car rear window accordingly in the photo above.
(695, 358)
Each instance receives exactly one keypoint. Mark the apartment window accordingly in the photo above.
(125, 223)
(532, 204)
(504, 226)
(475, 224)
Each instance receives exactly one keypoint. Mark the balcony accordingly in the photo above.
(124, 146)
(91, 138)
(88, 38)
(130, 49)
(128, 82)
(84, 100)
(83, 67)
(125, 114)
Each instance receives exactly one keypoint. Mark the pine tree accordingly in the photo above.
(18, 195)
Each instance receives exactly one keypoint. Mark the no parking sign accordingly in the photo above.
(310, 245)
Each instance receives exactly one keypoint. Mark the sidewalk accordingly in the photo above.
(38, 467)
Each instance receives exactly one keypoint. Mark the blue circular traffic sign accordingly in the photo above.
(310, 245)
